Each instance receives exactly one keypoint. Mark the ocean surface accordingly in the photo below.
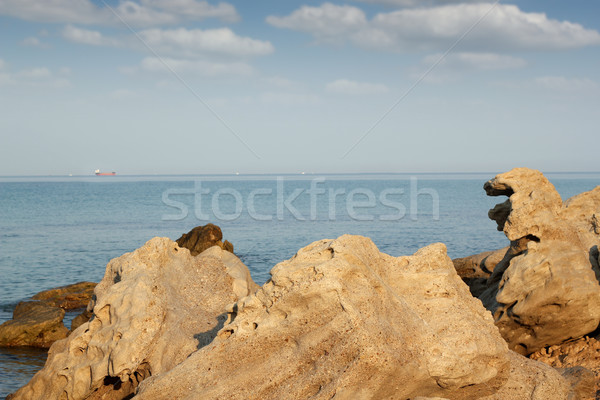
(56, 231)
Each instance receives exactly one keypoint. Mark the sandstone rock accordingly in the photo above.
(342, 319)
(68, 297)
(81, 319)
(531, 380)
(544, 291)
(571, 357)
(34, 324)
(479, 265)
(475, 270)
(582, 380)
(203, 237)
(153, 308)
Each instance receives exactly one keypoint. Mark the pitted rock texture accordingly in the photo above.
(545, 290)
(342, 320)
(153, 308)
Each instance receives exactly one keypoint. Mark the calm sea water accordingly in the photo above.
(59, 230)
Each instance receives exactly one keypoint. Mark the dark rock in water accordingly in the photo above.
(203, 237)
(70, 297)
(35, 324)
(40, 323)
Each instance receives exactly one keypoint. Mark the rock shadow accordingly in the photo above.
(205, 338)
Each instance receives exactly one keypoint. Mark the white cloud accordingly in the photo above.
(468, 61)
(86, 36)
(195, 9)
(329, 22)
(33, 42)
(196, 67)
(419, 3)
(561, 83)
(195, 42)
(344, 86)
(506, 28)
(142, 13)
(34, 73)
(181, 42)
(33, 77)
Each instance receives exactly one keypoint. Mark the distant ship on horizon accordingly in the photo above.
(98, 173)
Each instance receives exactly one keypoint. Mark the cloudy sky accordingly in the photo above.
(271, 86)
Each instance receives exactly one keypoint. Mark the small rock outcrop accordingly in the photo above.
(39, 323)
(203, 237)
(545, 289)
(342, 320)
(70, 297)
(34, 324)
(153, 308)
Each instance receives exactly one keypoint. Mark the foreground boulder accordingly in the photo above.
(34, 324)
(545, 289)
(153, 308)
(342, 320)
(203, 237)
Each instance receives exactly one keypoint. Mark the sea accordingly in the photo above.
(58, 230)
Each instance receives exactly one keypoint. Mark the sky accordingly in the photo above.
(271, 86)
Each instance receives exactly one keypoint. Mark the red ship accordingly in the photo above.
(98, 173)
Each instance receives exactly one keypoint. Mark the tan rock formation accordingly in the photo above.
(544, 291)
(153, 308)
(342, 319)
(35, 324)
(203, 237)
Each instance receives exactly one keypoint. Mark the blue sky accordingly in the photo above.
(190, 86)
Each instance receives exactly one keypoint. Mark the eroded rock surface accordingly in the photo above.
(153, 308)
(545, 289)
(342, 320)
(203, 237)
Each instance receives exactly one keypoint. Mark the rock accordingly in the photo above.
(570, 357)
(34, 324)
(545, 289)
(475, 270)
(479, 265)
(203, 237)
(68, 297)
(342, 319)
(582, 380)
(531, 380)
(153, 308)
(81, 319)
